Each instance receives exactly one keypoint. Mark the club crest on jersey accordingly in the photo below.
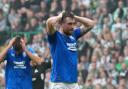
(71, 37)
(12, 54)
(24, 54)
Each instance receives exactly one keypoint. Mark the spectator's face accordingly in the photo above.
(68, 25)
(33, 22)
(82, 13)
(106, 51)
(5, 1)
(83, 59)
(106, 20)
(30, 13)
(22, 1)
(97, 87)
(104, 10)
(121, 59)
(53, 5)
(64, 4)
(15, 23)
(102, 74)
(124, 66)
(120, 4)
(43, 5)
(112, 66)
(121, 87)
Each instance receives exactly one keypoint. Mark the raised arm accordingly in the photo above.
(88, 24)
(33, 57)
(4, 52)
(50, 24)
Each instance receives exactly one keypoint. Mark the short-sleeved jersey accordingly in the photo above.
(64, 54)
(18, 70)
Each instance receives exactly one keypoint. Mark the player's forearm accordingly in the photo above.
(85, 21)
(51, 24)
(34, 58)
(54, 20)
(3, 53)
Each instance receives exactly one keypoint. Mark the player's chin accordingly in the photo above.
(70, 32)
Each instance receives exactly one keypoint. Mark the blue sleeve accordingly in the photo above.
(32, 50)
(52, 38)
(77, 33)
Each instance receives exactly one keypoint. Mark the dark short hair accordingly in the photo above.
(17, 44)
(19, 35)
(66, 14)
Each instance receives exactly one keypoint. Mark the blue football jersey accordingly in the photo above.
(64, 54)
(18, 70)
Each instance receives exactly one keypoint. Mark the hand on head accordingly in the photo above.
(18, 43)
(61, 14)
(65, 14)
(23, 44)
(11, 42)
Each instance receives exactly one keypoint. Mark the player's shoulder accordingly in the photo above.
(77, 28)
(11, 50)
(31, 49)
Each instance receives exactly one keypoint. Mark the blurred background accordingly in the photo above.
(103, 52)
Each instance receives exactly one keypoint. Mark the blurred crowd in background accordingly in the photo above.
(103, 52)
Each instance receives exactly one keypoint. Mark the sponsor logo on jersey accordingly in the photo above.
(20, 65)
(72, 46)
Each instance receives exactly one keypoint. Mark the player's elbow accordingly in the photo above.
(49, 21)
(92, 24)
